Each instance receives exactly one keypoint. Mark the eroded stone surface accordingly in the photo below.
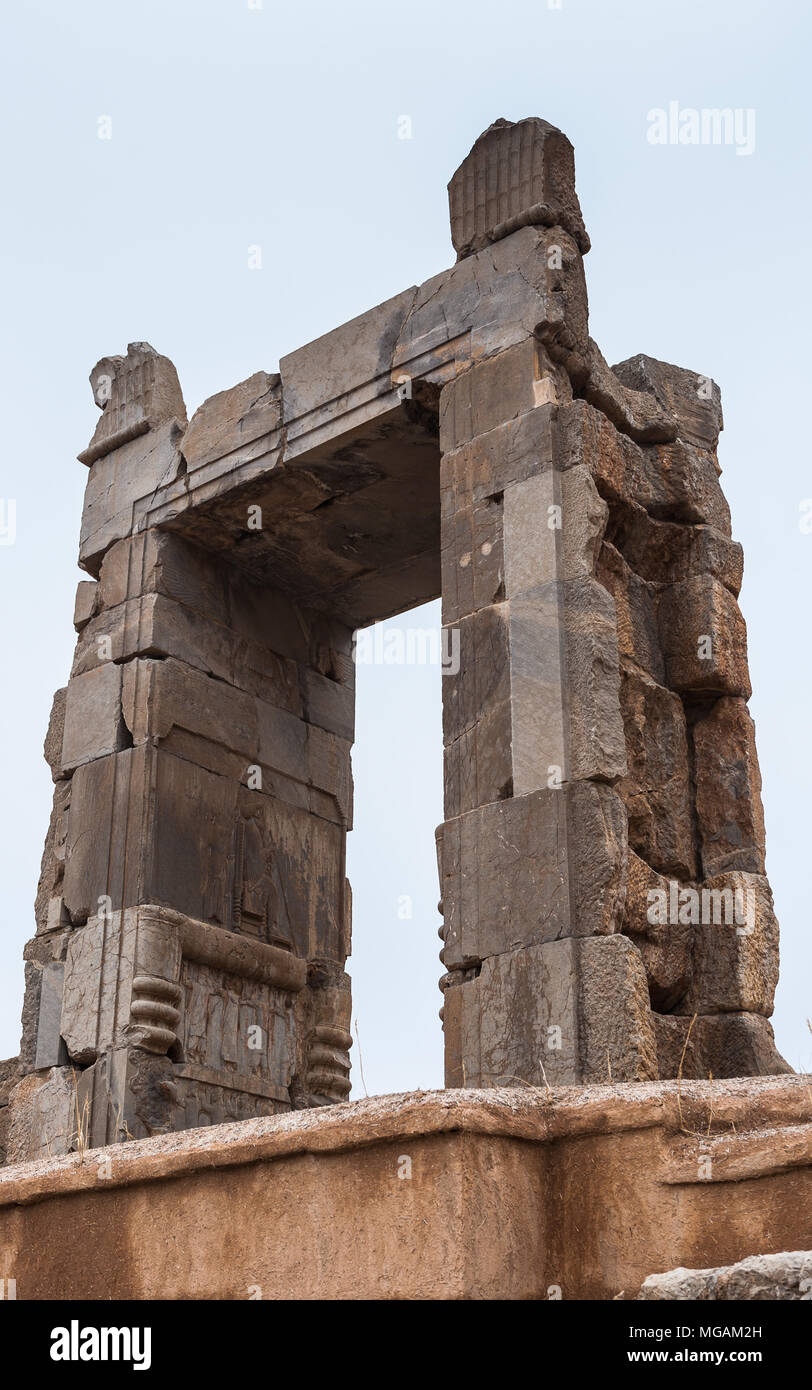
(785, 1277)
(465, 438)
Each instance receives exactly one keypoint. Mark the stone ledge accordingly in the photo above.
(576, 1193)
(765, 1104)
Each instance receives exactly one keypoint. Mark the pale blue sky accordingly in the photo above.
(234, 126)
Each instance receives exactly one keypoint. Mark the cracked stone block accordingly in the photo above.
(729, 813)
(43, 1116)
(665, 947)
(718, 1045)
(657, 787)
(665, 552)
(704, 639)
(93, 717)
(735, 952)
(232, 419)
(516, 1021)
(638, 633)
(694, 400)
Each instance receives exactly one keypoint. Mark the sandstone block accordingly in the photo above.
(704, 639)
(729, 813)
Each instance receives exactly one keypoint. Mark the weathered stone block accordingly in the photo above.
(718, 1045)
(50, 1048)
(93, 719)
(86, 605)
(786, 1277)
(704, 639)
(553, 526)
(616, 1033)
(665, 947)
(672, 481)
(53, 860)
(231, 419)
(657, 787)
(533, 869)
(56, 732)
(592, 692)
(135, 393)
(694, 400)
(729, 813)
(43, 1116)
(517, 172)
(117, 481)
(516, 1021)
(492, 462)
(638, 633)
(665, 552)
(735, 951)
(488, 394)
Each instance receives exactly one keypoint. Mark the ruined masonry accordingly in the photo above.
(465, 439)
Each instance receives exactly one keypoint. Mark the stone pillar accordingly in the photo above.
(193, 916)
(592, 749)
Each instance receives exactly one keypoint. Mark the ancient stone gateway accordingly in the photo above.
(606, 912)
